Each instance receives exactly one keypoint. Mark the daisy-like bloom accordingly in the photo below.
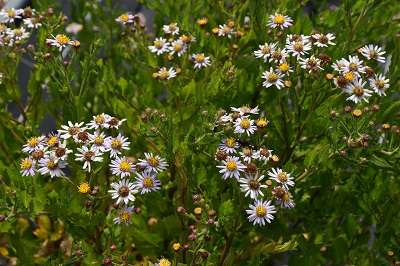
(160, 46)
(154, 163)
(260, 212)
(73, 28)
(125, 215)
(246, 154)
(116, 145)
(177, 46)
(124, 191)
(147, 181)
(171, 29)
(221, 155)
(244, 125)
(283, 197)
(373, 53)
(323, 40)
(84, 188)
(163, 262)
(202, 22)
(232, 167)
(71, 130)
(187, 39)
(6, 40)
(311, 64)
(356, 88)
(339, 65)
(121, 167)
(281, 177)
(297, 38)
(251, 185)
(61, 41)
(115, 122)
(32, 23)
(17, 33)
(229, 145)
(225, 30)
(88, 155)
(52, 140)
(278, 56)
(230, 117)
(34, 143)
(28, 167)
(82, 137)
(272, 78)
(60, 152)
(52, 166)
(99, 121)
(200, 60)
(245, 110)
(284, 68)
(298, 48)
(354, 65)
(263, 155)
(10, 14)
(98, 139)
(164, 74)
(262, 122)
(279, 21)
(378, 84)
(38, 154)
(265, 51)
(125, 18)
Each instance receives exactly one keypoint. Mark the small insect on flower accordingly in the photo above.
(246, 143)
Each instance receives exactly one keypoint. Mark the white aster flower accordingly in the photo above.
(373, 53)
(32, 23)
(339, 65)
(244, 125)
(245, 110)
(171, 29)
(177, 46)
(272, 78)
(284, 68)
(74, 28)
(232, 167)
(61, 41)
(160, 46)
(311, 64)
(187, 39)
(51, 165)
(125, 215)
(88, 155)
(52, 140)
(281, 177)
(358, 91)
(17, 33)
(147, 181)
(125, 18)
(323, 40)
(60, 151)
(263, 155)
(99, 121)
(71, 130)
(232, 117)
(378, 84)
(115, 122)
(246, 154)
(278, 56)
(121, 167)
(99, 140)
(164, 74)
(28, 167)
(283, 197)
(225, 30)
(10, 14)
(251, 185)
(229, 145)
(123, 190)
(201, 61)
(34, 143)
(265, 50)
(279, 21)
(116, 145)
(354, 65)
(298, 48)
(154, 163)
(260, 212)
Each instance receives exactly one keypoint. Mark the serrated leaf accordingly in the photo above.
(226, 209)
(25, 198)
(323, 154)
(310, 157)
(123, 84)
(380, 162)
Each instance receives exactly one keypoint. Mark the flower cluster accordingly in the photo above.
(245, 162)
(13, 35)
(93, 142)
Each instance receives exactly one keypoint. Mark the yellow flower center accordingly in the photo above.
(164, 74)
(358, 90)
(98, 141)
(298, 47)
(379, 83)
(262, 122)
(185, 38)
(172, 27)
(62, 39)
(148, 182)
(52, 141)
(357, 112)
(275, 158)
(353, 66)
(197, 211)
(286, 197)
(33, 142)
(176, 246)
(164, 262)
(245, 123)
(159, 44)
(10, 13)
(202, 21)
(226, 30)
(230, 143)
(99, 119)
(52, 165)
(125, 166)
(284, 67)
(272, 77)
(123, 191)
(279, 19)
(373, 54)
(124, 17)
(26, 164)
(200, 58)
(84, 188)
(178, 47)
(116, 144)
(261, 211)
(231, 166)
(282, 177)
(153, 161)
(18, 32)
(349, 76)
(124, 216)
(247, 152)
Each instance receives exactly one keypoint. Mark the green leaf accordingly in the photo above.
(25, 198)
(309, 159)
(123, 84)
